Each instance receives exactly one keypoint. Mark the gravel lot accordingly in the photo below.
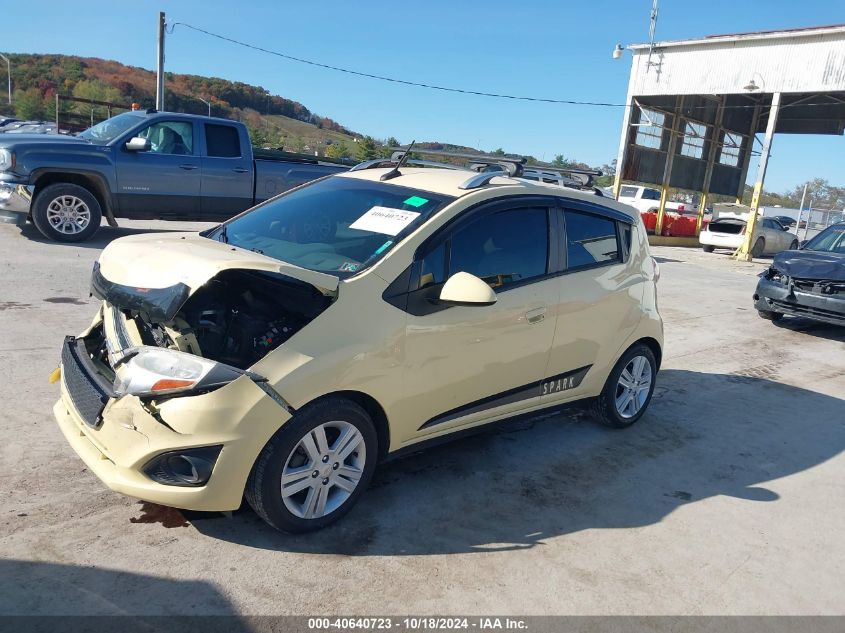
(727, 498)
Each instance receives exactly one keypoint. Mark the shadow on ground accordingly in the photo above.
(51, 589)
(704, 435)
(812, 328)
(101, 239)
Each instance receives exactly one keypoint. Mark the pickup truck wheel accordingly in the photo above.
(708, 248)
(316, 466)
(66, 213)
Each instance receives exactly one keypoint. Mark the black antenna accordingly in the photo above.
(395, 171)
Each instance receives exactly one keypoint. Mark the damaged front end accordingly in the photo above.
(820, 299)
(159, 342)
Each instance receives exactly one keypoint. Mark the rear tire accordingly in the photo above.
(631, 382)
(66, 213)
(758, 248)
(283, 488)
(769, 315)
(708, 249)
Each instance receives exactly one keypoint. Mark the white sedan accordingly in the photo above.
(770, 236)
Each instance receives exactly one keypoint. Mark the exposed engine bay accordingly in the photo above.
(237, 317)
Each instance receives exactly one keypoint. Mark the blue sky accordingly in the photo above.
(557, 49)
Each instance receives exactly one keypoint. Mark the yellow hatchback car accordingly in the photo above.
(281, 355)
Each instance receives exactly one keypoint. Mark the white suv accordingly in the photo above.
(282, 354)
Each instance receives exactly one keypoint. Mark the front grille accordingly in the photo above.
(87, 391)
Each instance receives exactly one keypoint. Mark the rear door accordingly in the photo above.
(164, 181)
(600, 297)
(227, 172)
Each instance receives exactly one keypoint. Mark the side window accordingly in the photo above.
(625, 234)
(170, 137)
(433, 267)
(627, 192)
(651, 194)
(590, 240)
(222, 141)
(504, 247)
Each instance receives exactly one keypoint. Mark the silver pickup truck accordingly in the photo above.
(143, 165)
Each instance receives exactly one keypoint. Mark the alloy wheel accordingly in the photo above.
(68, 215)
(323, 469)
(633, 387)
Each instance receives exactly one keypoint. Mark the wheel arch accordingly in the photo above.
(92, 183)
(373, 409)
(652, 344)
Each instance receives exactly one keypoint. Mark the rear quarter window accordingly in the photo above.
(222, 141)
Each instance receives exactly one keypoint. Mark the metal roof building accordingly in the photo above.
(695, 106)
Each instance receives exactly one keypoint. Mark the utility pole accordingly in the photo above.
(9, 71)
(160, 65)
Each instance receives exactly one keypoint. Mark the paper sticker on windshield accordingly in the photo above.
(384, 220)
(415, 201)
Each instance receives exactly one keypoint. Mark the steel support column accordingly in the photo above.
(674, 132)
(746, 160)
(716, 133)
(623, 146)
(744, 251)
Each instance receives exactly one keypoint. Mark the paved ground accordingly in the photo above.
(726, 498)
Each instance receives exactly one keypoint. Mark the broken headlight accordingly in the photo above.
(151, 371)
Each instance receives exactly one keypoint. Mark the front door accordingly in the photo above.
(163, 182)
(467, 364)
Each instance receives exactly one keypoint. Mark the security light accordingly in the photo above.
(617, 52)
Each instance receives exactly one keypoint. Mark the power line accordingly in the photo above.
(466, 91)
(394, 79)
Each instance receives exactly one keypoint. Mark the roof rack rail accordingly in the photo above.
(489, 167)
(475, 162)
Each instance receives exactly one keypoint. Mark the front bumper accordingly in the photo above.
(15, 201)
(772, 296)
(126, 436)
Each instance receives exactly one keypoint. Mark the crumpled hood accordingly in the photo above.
(162, 260)
(811, 265)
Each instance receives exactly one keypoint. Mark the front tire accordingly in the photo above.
(758, 248)
(794, 245)
(628, 390)
(66, 213)
(316, 466)
(708, 248)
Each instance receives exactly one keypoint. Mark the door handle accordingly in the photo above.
(187, 166)
(536, 315)
(240, 170)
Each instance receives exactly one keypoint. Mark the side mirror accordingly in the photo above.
(465, 289)
(138, 144)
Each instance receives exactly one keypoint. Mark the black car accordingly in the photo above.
(809, 282)
(786, 220)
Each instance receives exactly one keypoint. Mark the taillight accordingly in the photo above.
(680, 207)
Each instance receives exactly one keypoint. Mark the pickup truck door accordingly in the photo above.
(227, 171)
(164, 181)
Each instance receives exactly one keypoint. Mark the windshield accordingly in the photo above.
(338, 225)
(111, 128)
(831, 240)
